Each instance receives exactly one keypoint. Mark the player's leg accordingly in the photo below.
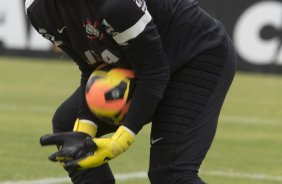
(186, 119)
(63, 120)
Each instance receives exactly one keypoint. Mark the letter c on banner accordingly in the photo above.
(249, 39)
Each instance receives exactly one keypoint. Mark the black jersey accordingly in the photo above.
(153, 37)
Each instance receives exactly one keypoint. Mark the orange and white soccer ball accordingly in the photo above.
(108, 93)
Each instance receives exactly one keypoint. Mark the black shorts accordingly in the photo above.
(185, 122)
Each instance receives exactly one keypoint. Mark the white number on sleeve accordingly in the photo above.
(109, 57)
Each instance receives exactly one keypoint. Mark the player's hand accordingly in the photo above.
(108, 148)
(71, 145)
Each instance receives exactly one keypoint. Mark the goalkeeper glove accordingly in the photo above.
(107, 148)
(71, 145)
(72, 142)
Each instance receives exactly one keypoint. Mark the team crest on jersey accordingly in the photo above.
(92, 31)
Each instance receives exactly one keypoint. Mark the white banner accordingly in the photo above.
(15, 31)
(257, 33)
(254, 25)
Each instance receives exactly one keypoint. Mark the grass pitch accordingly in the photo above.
(246, 150)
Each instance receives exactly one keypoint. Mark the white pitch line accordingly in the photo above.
(129, 176)
(120, 177)
(243, 175)
(143, 175)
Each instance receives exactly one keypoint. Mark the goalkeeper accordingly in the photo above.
(184, 64)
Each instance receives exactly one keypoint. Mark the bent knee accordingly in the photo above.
(98, 175)
(64, 118)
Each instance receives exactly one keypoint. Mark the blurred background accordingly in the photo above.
(35, 78)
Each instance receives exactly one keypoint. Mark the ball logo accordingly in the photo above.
(258, 33)
(115, 93)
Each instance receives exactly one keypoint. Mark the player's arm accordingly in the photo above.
(132, 27)
(44, 25)
(136, 34)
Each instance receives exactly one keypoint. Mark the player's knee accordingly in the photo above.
(170, 175)
(57, 120)
(63, 119)
(98, 175)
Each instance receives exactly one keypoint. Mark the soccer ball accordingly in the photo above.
(108, 93)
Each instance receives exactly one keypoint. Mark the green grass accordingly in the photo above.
(248, 139)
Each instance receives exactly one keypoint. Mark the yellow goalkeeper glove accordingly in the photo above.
(99, 150)
(107, 149)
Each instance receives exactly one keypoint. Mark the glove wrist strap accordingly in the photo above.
(85, 126)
